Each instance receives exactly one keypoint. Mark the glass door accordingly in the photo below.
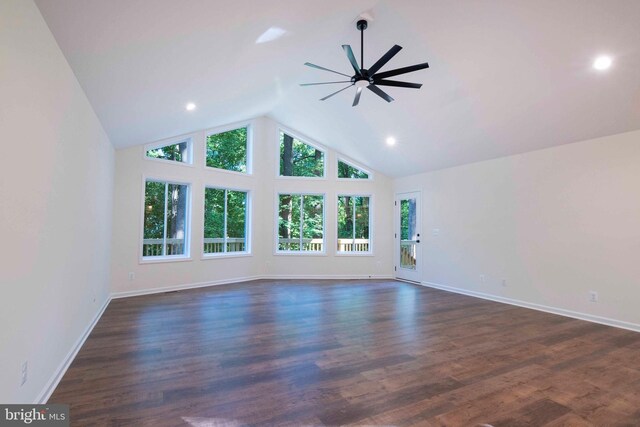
(407, 236)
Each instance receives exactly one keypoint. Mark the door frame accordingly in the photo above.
(399, 272)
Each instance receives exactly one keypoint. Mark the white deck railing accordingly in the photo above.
(153, 247)
(408, 254)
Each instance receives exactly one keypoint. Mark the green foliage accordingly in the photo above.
(345, 170)
(154, 210)
(353, 217)
(407, 219)
(214, 213)
(175, 152)
(298, 212)
(404, 220)
(299, 159)
(228, 150)
(165, 217)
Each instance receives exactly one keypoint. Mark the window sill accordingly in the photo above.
(299, 253)
(354, 179)
(223, 255)
(236, 173)
(304, 178)
(354, 253)
(169, 162)
(156, 260)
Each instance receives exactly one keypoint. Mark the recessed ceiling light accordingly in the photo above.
(602, 62)
(391, 141)
(190, 106)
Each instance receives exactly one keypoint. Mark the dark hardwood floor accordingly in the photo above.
(347, 352)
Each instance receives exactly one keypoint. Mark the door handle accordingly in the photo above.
(417, 241)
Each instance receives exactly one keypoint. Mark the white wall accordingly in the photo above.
(56, 181)
(555, 224)
(131, 166)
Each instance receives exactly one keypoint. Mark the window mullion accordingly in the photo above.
(224, 232)
(353, 226)
(301, 221)
(164, 233)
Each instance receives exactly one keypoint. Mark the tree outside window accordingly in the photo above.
(225, 221)
(353, 224)
(165, 219)
(228, 150)
(301, 223)
(300, 159)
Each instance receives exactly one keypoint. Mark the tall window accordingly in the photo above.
(354, 224)
(228, 150)
(346, 171)
(300, 159)
(166, 224)
(301, 223)
(225, 221)
(176, 152)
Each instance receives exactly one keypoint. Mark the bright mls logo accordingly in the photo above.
(34, 415)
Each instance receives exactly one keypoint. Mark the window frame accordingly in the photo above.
(187, 240)
(248, 232)
(353, 165)
(277, 218)
(307, 141)
(188, 138)
(250, 125)
(370, 252)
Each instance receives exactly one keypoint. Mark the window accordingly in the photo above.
(301, 223)
(354, 224)
(345, 170)
(228, 150)
(300, 159)
(166, 224)
(225, 221)
(179, 151)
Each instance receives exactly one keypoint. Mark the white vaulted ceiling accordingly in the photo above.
(506, 76)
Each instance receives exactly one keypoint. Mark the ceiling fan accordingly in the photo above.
(369, 78)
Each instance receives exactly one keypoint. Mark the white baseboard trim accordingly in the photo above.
(53, 382)
(327, 277)
(540, 307)
(138, 292)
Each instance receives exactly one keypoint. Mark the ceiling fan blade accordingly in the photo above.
(352, 59)
(385, 58)
(402, 70)
(335, 93)
(308, 64)
(397, 84)
(356, 100)
(324, 83)
(382, 94)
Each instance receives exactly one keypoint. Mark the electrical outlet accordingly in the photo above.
(435, 231)
(504, 283)
(25, 373)
(593, 296)
(482, 279)
(132, 276)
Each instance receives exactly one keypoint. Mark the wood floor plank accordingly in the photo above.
(353, 352)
